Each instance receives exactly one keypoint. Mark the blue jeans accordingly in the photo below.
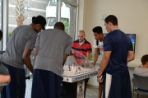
(16, 88)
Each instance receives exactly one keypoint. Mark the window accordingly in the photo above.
(52, 3)
(68, 17)
(51, 21)
(28, 8)
(51, 14)
(66, 14)
(54, 10)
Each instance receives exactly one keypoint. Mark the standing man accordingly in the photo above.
(99, 37)
(118, 51)
(18, 53)
(53, 46)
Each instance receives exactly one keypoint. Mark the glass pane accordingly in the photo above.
(68, 17)
(34, 8)
(28, 8)
(51, 13)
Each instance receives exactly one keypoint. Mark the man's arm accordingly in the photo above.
(96, 55)
(4, 79)
(131, 56)
(67, 49)
(26, 59)
(104, 62)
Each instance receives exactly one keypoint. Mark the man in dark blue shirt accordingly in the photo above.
(118, 51)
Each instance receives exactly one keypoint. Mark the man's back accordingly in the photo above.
(52, 45)
(141, 71)
(119, 45)
(23, 37)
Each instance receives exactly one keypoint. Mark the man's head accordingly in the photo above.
(38, 23)
(144, 60)
(60, 26)
(111, 23)
(98, 32)
(81, 35)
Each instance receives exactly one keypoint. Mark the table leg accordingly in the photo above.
(80, 89)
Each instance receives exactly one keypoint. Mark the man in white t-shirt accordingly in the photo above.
(98, 45)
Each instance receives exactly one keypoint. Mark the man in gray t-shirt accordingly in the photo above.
(52, 46)
(4, 74)
(18, 53)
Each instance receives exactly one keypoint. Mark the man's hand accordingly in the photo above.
(100, 79)
(104, 62)
(26, 59)
(100, 72)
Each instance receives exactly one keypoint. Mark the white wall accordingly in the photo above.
(132, 15)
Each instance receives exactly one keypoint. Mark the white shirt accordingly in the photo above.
(100, 46)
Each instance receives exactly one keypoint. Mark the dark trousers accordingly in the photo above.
(16, 88)
(70, 89)
(120, 85)
(46, 84)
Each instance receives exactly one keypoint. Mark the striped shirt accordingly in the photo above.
(81, 49)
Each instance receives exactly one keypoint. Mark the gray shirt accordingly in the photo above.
(52, 45)
(141, 71)
(23, 37)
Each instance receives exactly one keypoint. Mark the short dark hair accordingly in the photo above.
(59, 25)
(39, 20)
(98, 30)
(144, 59)
(111, 18)
(1, 34)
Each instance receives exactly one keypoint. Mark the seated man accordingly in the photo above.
(142, 70)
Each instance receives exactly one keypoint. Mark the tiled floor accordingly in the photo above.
(92, 92)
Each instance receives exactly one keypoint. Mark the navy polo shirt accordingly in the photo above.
(119, 44)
